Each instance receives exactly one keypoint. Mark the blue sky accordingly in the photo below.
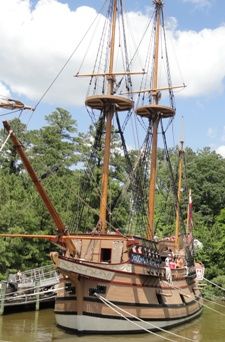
(36, 38)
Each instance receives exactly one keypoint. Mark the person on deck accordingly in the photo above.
(179, 262)
(18, 276)
(168, 270)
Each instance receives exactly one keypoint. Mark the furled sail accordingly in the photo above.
(12, 104)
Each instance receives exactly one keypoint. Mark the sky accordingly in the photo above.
(38, 36)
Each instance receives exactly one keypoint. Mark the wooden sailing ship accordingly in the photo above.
(113, 282)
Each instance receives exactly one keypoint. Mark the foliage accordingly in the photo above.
(211, 291)
(70, 171)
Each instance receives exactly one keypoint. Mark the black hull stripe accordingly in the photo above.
(65, 299)
(143, 305)
(197, 313)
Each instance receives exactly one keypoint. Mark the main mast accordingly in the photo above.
(109, 104)
(154, 112)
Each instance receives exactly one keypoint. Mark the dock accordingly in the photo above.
(31, 289)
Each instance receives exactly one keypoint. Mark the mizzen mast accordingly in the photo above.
(180, 171)
(108, 103)
(154, 112)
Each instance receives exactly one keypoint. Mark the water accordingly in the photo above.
(40, 327)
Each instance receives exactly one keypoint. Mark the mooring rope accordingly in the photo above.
(209, 281)
(116, 308)
(218, 312)
(212, 301)
(196, 300)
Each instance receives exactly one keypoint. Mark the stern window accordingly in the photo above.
(106, 254)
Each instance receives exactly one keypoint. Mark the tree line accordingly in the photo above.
(69, 170)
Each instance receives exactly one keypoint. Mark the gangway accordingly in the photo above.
(29, 289)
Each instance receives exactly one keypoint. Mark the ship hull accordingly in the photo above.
(123, 298)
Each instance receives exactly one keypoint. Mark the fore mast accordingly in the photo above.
(154, 112)
(108, 103)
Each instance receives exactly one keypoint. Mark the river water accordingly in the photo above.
(40, 326)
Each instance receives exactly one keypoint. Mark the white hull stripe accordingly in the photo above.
(86, 270)
(89, 324)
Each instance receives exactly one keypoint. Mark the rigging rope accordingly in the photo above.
(137, 48)
(96, 211)
(173, 183)
(7, 138)
(121, 312)
(135, 179)
(131, 179)
(169, 163)
(97, 63)
(66, 63)
(128, 78)
(172, 99)
(12, 112)
(125, 150)
(89, 176)
(148, 65)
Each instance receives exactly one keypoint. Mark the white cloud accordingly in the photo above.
(171, 23)
(200, 3)
(221, 150)
(211, 132)
(4, 91)
(223, 135)
(36, 42)
(201, 55)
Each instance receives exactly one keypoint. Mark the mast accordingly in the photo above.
(108, 103)
(155, 120)
(13, 104)
(180, 171)
(43, 194)
(154, 112)
(109, 111)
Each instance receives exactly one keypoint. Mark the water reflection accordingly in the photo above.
(40, 327)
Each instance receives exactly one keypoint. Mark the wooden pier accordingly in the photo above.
(31, 289)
